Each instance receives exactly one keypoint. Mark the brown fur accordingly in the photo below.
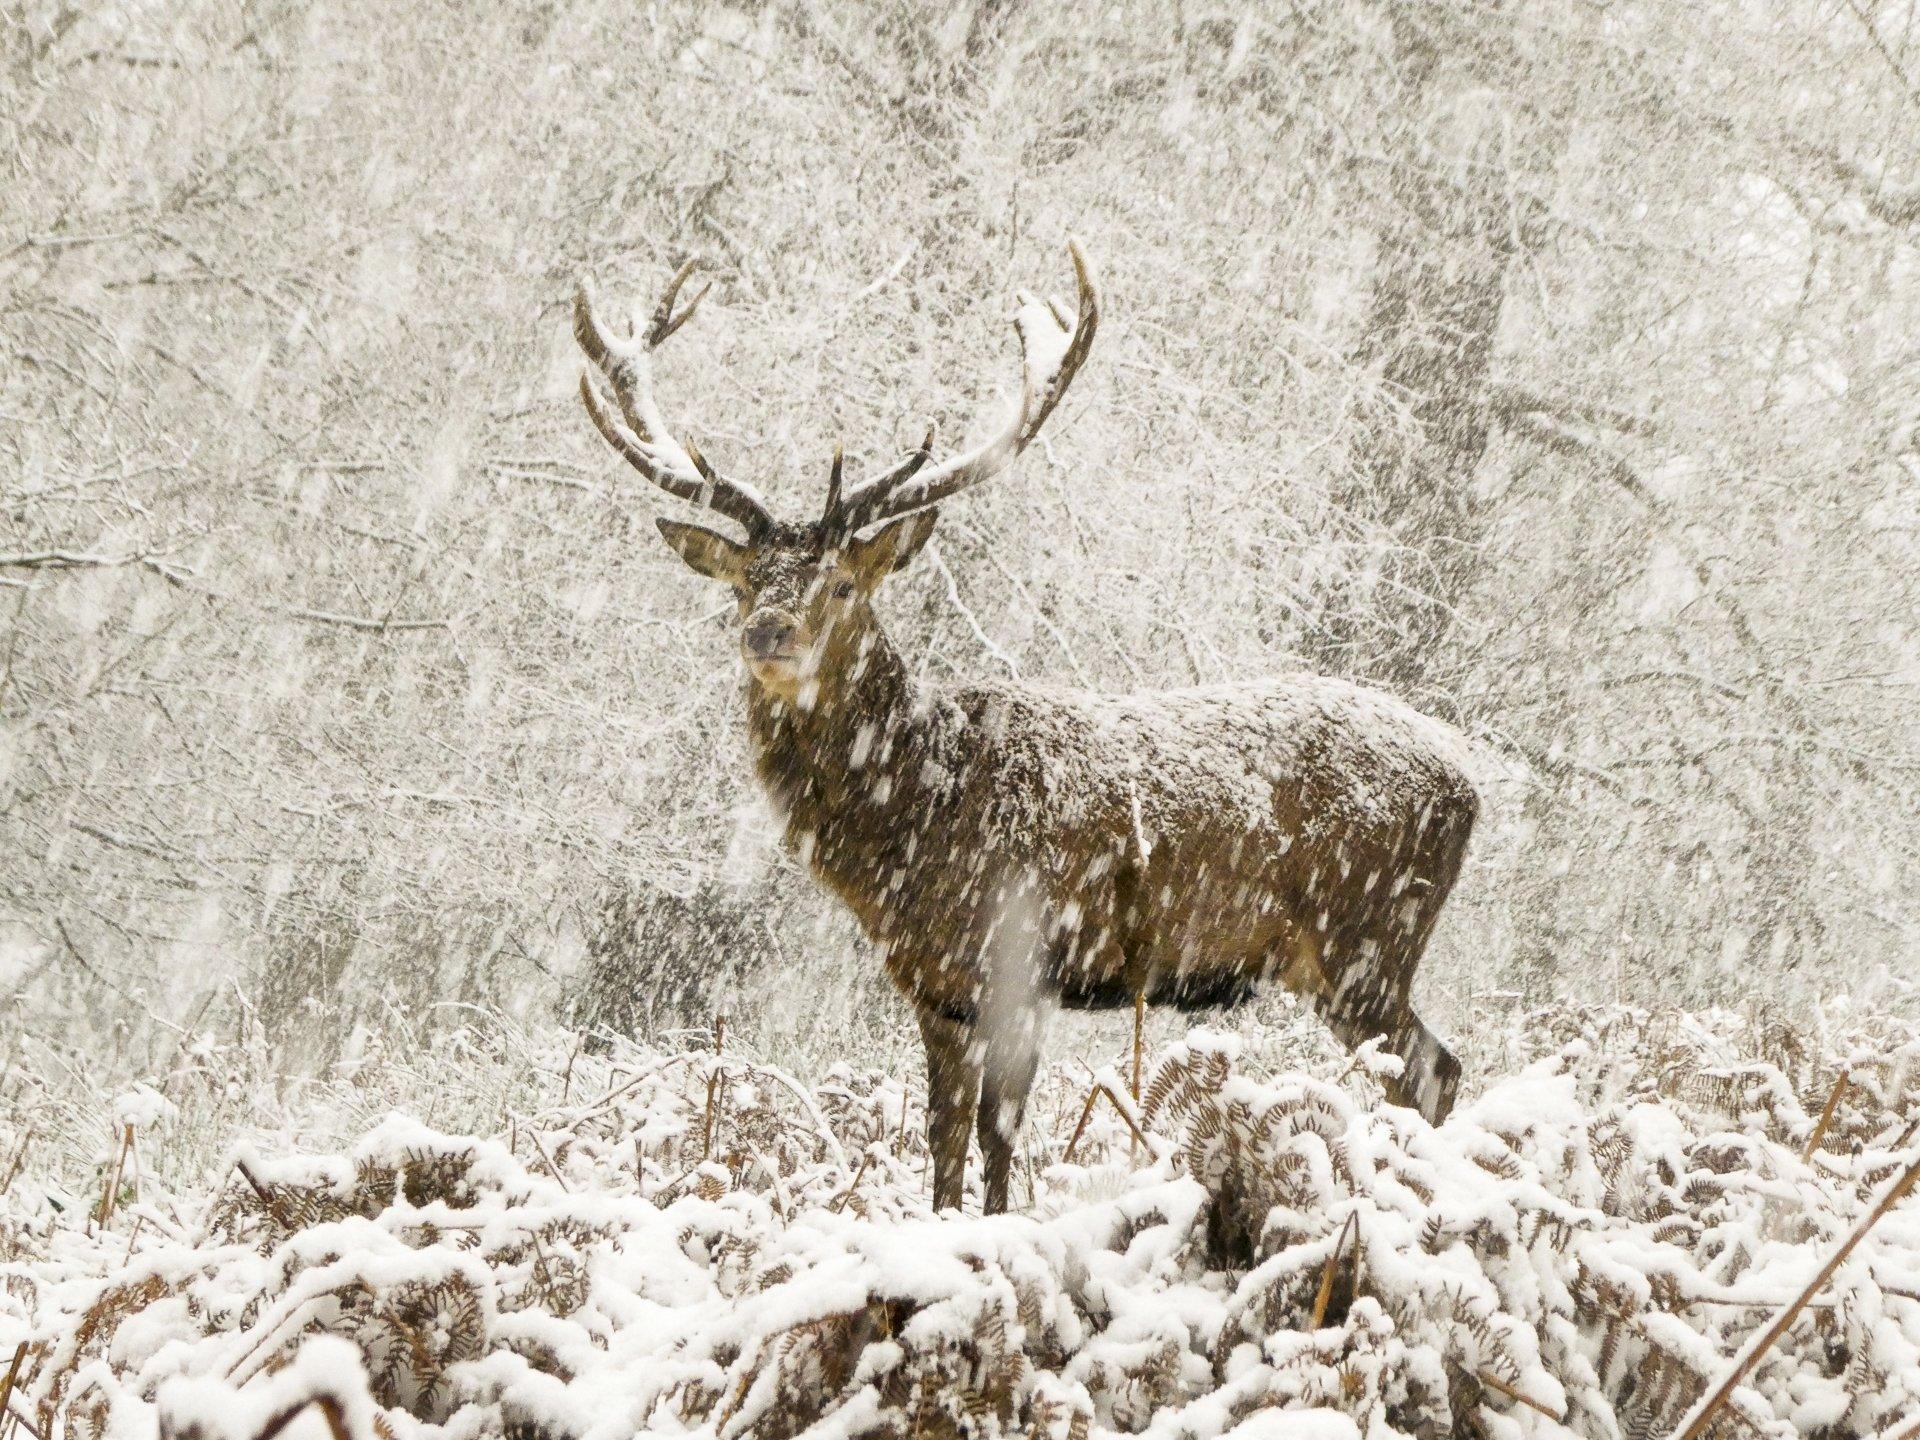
(1006, 845)
(1009, 846)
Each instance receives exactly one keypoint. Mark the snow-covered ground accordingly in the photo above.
(698, 1243)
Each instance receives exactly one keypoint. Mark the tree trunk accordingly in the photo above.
(1439, 290)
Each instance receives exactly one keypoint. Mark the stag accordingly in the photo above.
(1010, 847)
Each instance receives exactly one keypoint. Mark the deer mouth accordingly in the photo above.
(781, 668)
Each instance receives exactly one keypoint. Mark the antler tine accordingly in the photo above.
(1045, 376)
(910, 466)
(832, 518)
(638, 432)
(665, 322)
(835, 478)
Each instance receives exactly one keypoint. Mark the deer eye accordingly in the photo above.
(842, 588)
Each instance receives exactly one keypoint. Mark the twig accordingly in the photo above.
(713, 1085)
(1494, 1382)
(1325, 1295)
(1139, 1027)
(365, 622)
(1696, 1422)
(267, 1197)
(1086, 1112)
(533, 1138)
(19, 1160)
(1826, 1117)
(847, 1194)
(1139, 1024)
(279, 1325)
(107, 1196)
(6, 1385)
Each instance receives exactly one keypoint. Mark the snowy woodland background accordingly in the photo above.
(379, 850)
(1551, 364)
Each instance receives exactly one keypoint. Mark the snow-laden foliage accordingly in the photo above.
(710, 1246)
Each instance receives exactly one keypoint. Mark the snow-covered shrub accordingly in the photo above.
(710, 1246)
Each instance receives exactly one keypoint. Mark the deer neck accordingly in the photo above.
(842, 753)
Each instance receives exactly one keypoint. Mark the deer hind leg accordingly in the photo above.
(953, 1096)
(1010, 1057)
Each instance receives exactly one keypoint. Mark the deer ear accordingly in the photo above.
(707, 551)
(893, 545)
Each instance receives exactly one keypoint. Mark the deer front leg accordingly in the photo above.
(1010, 1055)
(953, 1095)
(1361, 1006)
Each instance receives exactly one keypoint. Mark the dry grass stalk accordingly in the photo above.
(1826, 1117)
(1710, 1405)
(1519, 1397)
(15, 1165)
(713, 1085)
(1139, 1033)
(14, 1414)
(104, 1211)
(1325, 1295)
(1086, 1113)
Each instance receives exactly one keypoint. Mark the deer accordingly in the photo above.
(1012, 848)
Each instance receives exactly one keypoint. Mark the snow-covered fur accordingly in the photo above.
(1011, 845)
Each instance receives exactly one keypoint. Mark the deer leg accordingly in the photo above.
(1432, 1077)
(1009, 1059)
(1364, 1004)
(953, 1096)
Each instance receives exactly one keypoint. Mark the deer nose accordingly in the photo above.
(769, 634)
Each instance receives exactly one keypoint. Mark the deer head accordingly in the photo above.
(805, 589)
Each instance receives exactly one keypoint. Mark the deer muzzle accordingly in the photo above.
(772, 645)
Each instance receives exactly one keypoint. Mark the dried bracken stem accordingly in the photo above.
(1704, 1411)
(1139, 1033)
(847, 1194)
(1519, 1397)
(6, 1385)
(18, 1161)
(1139, 1028)
(267, 1197)
(1325, 1295)
(1086, 1112)
(533, 1138)
(1826, 1117)
(104, 1212)
(713, 1085)
(281, 1326)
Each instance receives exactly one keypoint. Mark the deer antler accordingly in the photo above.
(1051, 354)
(638, 432)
